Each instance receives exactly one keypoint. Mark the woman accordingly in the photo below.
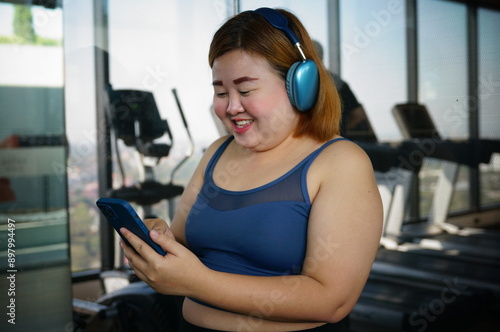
(279, 225)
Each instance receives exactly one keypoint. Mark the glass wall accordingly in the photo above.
(373, 63)
(489, 100)
(81, 133)
(374, 48)
(373, 59)
(442, 67)
(163, 46)
(34, 252)
(443, 89)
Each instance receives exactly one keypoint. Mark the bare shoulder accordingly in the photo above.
(215, 145)
(344, 157)
(343, 186)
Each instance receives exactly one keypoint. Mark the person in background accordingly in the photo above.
(280, 223)
(355, 123)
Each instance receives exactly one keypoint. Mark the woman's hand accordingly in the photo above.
(175, 273)
(158, 225)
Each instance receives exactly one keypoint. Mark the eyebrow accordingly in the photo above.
(237, 81)
(244, 79)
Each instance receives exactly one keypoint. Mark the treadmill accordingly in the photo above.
(410, 286)
(391, 303)
(421, 135)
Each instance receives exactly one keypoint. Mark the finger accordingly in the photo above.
(160, 226)
(129, 253)
(142, 248)
(166, 241)
(131, 259)
(137, 263)
(157, 224)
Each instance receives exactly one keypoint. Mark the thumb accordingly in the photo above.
(166, 241)
(168, 233)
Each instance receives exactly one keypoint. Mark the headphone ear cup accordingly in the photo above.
(290, 87)
(302, 84)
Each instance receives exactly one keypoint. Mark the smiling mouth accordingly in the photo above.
(242, 123)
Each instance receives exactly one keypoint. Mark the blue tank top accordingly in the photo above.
(257, 232)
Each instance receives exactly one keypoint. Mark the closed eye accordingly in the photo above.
(221, 94)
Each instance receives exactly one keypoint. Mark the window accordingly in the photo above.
(34, 243)
(163, 46)
(81, 133)
(489, 99)
(442, 65)
(373, 59)
(443, 86)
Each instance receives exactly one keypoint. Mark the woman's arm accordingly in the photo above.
(343, 238)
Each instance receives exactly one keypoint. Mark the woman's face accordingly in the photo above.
(250, 99)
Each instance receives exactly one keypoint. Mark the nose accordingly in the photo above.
(234, 105)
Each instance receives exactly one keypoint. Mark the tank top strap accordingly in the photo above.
(309, 159)
(213, 161)
(307, 162)
(304, 164)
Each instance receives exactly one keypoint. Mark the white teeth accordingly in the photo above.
(242, 123)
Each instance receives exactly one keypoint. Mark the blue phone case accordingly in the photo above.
(121, 214)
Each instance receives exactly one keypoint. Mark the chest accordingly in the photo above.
(261, 239)
(245, 171)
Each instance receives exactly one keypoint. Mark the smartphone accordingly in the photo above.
(120, 214)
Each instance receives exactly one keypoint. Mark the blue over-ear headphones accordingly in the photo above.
(302, 79)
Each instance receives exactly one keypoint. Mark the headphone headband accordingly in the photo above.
(277, 20)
